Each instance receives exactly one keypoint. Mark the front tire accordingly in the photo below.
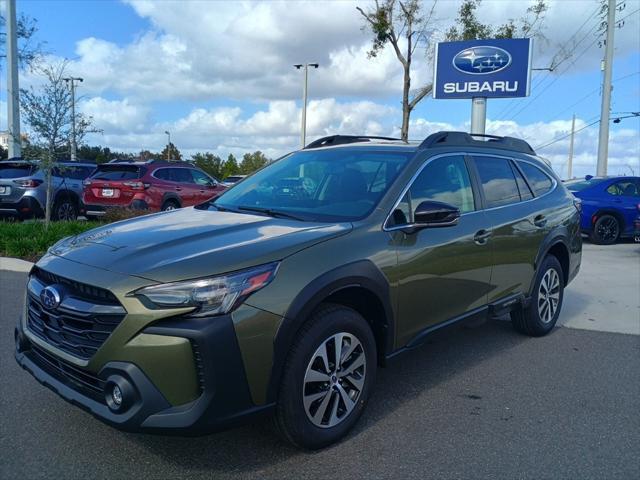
(542, 313)
(327, 379)
(606, 230)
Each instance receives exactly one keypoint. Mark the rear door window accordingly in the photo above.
(181, 175)
(539, 181)
(118, 172)
(16, 170)
(498, 181)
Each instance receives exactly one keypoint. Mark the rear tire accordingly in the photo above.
(170, 205)
(65, 209)
(542, 313)
(322, 393)
(606, 230)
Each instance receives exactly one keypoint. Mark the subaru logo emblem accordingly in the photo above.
(481, 60)
(50, 297)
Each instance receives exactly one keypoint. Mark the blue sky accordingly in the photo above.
(217, 75)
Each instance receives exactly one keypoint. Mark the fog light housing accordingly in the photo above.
(119, 394)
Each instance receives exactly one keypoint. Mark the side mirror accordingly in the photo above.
(436, 214)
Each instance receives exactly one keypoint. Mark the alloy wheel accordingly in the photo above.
(66, 211)
(334, 380)
(549, 295)
(608, 229)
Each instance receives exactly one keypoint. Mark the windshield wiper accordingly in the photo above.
(271, 212)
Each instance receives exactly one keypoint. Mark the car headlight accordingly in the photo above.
(211, 296)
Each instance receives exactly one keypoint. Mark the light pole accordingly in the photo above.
(168, 145)
(71, 81)
(303, 133)
(13, 88)
(603, 137)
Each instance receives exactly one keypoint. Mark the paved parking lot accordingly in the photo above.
(473, 403)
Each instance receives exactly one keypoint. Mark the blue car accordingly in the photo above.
(609, 206)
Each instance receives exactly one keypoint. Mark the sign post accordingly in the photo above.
(481, 69)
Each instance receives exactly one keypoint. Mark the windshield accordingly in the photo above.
(16, 170)
(579, 185)
(332, 185)
(118, 172)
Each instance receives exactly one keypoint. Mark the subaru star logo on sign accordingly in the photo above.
(483, 68)
(482, 60)
(50, 297)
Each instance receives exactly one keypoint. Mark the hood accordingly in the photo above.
(190, 243)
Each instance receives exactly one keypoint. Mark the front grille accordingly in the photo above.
(82, 290)
(81, 323)
(69, 374)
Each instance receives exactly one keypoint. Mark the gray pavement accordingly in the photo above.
(472, 403)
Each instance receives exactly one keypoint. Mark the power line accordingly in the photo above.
(565, 136)
(619, 79)
(559, 139)
(526, 105)
(542, 79)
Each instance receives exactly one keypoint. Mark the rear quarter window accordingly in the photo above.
(539, 181)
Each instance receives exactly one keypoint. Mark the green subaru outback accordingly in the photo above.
(287, 292)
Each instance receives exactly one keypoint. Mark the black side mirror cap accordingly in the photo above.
(435, 214)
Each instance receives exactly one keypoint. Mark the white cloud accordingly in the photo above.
(275, 130)
(115, 115)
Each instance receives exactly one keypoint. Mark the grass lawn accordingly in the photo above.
(30, 240)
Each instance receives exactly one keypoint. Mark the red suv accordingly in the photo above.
(147, 185)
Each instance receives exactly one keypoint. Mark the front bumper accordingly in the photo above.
(224, 398)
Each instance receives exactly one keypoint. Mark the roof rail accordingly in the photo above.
(446, 139)
(345, 139)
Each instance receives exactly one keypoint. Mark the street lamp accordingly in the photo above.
(306, 66)
(74, 146)
(168, 145)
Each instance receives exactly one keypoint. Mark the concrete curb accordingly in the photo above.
(15, 264)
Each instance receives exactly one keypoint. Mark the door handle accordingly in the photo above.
(481, 237)
(540, 221)
(178, 189)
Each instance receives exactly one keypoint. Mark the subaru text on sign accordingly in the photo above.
(483, 68)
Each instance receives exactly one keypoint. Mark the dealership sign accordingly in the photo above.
(483, 68)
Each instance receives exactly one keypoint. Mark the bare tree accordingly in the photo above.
(30, 50)
(47, 111)
(403, 25)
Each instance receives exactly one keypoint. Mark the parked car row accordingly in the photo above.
(81, 188)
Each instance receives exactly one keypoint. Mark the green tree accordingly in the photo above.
(230, 166)
(404, 26)
(146, 155)
(469, 27)
(170, 152)
(252, 162)
(46, 109)
(210, 163)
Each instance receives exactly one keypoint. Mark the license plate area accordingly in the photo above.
(107, 192)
